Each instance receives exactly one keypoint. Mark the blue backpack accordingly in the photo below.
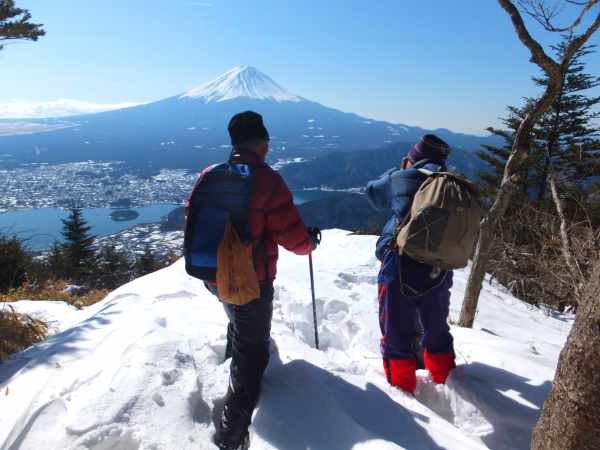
(219, 198)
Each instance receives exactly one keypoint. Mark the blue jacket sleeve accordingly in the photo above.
(396, 190)
(384, 241)
(379, 192)
(404, 186)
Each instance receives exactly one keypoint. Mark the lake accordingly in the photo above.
(41, 227)
(301, 197)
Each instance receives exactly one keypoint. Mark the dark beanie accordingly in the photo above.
(246, 127)
(429, 147)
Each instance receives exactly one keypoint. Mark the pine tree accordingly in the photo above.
(15, 24)
(567, 132)
(115, 267)
(78, 251)
(496, 157)
(564, 143)
(14, 262)
(56, 261)
(564, 140)
(147, 262)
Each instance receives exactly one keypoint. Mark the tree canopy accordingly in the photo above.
(15, 24)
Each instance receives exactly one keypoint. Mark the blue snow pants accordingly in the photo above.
(406, 294)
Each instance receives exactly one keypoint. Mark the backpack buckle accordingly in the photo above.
(435, 272)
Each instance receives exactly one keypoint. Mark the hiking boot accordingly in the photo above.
(439, 365)
(232, 433)
(224, 444)
(401, 373)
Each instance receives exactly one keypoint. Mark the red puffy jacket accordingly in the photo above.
(272, 217)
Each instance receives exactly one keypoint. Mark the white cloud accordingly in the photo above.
(27, 109)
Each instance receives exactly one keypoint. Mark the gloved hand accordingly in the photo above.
(315, 236)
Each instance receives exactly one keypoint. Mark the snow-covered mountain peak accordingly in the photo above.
(241, 81)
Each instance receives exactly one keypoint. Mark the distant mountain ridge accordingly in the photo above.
(189, 130)
(344, 210)
(353, 169)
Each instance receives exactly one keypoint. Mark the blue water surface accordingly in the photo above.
(41, 227)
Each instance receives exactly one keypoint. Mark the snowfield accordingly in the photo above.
(144, 370)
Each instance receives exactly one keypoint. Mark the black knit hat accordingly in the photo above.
(246, 127)
(429, 147)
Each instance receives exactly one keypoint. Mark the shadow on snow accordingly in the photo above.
(304, 406)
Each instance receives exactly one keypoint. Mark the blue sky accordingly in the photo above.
(453, 64)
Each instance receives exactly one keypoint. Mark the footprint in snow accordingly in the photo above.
(158, 399)
(170, 377)
(335, 306)
(111, 437)
(183, 359)
(346, 280)
(176, 295)
(357, 278)
(199, 409)
(122, 296)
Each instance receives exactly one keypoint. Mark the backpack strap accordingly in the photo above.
(426, 172)
(260, 249)
(244, 156)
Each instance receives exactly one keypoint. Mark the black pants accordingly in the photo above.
(248, 336)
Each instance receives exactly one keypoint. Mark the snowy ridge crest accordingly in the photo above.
(241, 81)
(145, 368)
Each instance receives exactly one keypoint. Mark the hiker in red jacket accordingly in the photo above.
(272, 220)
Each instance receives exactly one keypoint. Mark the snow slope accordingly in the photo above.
(241, 81)
(143, 369)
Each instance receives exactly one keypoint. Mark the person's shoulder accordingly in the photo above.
(434, 167)
(415, 174)
(268, 180)
(209, 168)
(406, 174)
(266, 171)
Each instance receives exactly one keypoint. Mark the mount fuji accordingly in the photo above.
(189, 130)
(241, 82)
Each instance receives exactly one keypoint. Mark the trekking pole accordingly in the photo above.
(314, 303)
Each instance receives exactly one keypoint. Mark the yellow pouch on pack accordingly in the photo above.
(237, 283)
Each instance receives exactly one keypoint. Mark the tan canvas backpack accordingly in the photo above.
(443, 223)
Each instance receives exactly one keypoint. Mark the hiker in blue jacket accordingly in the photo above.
(409, 289)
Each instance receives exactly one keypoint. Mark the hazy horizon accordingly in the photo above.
(454, 66)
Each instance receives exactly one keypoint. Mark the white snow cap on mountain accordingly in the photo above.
(241, 81)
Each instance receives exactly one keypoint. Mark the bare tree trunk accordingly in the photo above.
(572, 265)
(477, 275)
(544, 180)
(570, 419)
(511, 181)
(520, 149)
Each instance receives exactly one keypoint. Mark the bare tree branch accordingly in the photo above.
(571, 261)
(577, 42)
(512, 178)
(544, 14)
(540, 11)
(538, 55)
